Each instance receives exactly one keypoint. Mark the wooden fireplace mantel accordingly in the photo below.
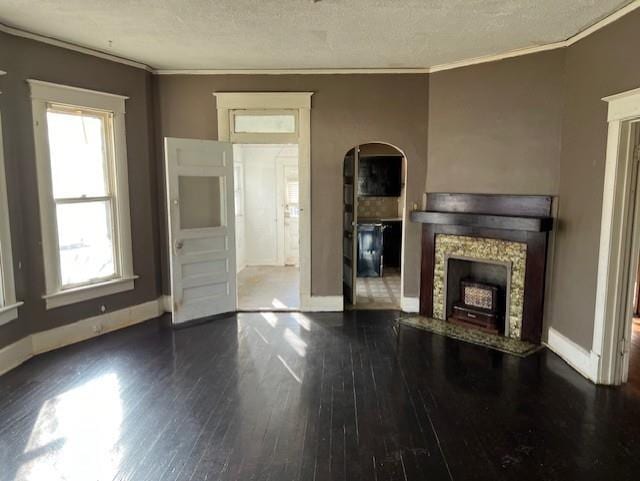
(488, 221)
(526, 219)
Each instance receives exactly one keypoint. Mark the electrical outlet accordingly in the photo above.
(103, 308)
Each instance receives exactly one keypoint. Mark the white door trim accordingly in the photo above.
(278, 101)
(616, 241)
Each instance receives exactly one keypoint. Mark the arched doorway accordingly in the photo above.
(374, 189)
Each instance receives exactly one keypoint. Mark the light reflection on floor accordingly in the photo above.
(75, 437)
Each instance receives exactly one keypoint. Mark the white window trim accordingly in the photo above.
(43, 93)
(9, 305)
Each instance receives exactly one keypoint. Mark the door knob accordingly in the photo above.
(179, 245)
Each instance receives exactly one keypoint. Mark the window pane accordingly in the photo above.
(200, 202)
(85, 241)
(275, 124)
(77, 150)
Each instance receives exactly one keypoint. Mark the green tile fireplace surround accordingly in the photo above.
(496, 251)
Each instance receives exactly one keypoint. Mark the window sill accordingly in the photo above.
(85, 293)
(9, 313)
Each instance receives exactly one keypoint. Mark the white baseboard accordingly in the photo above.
(167, 304)
(15, 354)
(410, 304)
(583, 361)
(39, 342)
(321, 303)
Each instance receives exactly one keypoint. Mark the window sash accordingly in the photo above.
(108, 139)
(115, 244)
(110, 187)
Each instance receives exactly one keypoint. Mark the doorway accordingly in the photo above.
(266, 193)
(373, 226)
(619, 252)
(271, 134)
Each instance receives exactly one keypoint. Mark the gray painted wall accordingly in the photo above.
(496, 127)
(23, 59)
(600, 65)
(347, 110)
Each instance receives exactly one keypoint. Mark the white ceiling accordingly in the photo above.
(301, 34)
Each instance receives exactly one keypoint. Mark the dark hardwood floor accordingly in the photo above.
(308, 397)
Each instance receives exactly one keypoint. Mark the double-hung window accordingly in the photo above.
(83, 190)
(8, 304)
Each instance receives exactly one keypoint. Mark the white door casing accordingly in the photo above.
(201, 227)
(612, 320)
(227, 102)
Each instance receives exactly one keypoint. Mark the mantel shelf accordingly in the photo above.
(488, 221)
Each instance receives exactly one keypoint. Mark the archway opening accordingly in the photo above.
(374, 205)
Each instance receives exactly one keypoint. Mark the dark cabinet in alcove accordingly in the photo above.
(380, 176)
(392, 241)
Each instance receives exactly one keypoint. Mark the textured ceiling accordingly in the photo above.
(297, 34)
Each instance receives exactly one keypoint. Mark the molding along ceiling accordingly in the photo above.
(498, 16)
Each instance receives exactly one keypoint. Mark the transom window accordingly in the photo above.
(250, 123)
(279, 126)
(83, 190)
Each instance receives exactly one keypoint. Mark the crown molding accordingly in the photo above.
(292, 71)
(499, 56)
(72, 46)
(609, 19)
(635, 4)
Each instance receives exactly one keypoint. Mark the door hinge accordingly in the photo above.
(636, 153)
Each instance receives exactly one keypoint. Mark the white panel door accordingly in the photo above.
(261, 207)
(201, 227)
(291, 216)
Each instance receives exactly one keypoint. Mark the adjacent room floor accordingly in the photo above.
(379, 292)
(269, 288)
(634, 357)
(290, 396)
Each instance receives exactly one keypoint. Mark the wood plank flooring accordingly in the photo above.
(309, 397)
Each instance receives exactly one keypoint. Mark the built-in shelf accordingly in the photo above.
(488, 221)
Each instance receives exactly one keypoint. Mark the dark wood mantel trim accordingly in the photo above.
(489, 221)
(495, 206)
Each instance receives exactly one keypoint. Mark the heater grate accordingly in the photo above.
(482, 296)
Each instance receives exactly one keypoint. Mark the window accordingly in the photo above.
(8, 304)
(258, 126)
(83, 189)
(264, 123)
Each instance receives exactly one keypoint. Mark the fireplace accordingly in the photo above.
(476, 293)
(493, 248)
